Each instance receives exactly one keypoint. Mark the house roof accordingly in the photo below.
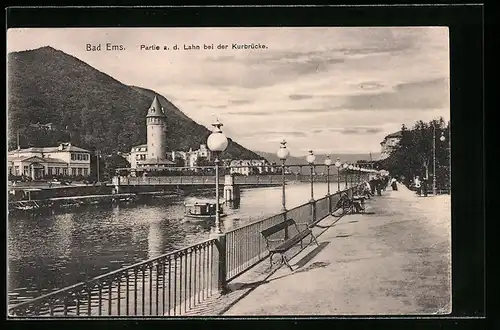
(155, 110)
(67, 147)
(140, 146)
(36, 159)
(394, 135)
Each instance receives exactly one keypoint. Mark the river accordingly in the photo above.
(49, 252)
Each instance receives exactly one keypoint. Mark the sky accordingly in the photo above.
(331, 90)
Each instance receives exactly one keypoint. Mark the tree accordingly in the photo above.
(113, 162)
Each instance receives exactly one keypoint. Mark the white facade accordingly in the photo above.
(35, 162)
(156, 135)
(245, 166)
(388, 144)
(192, 157)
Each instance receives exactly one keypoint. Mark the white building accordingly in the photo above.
(245, 166)
(191, 158)
(388, 144)
(36, 162)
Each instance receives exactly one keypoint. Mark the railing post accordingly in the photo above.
(313, 211)
(222, 270)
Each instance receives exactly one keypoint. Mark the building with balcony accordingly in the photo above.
(388, 144)
(37, 162)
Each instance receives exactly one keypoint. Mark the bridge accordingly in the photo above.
(209, 180)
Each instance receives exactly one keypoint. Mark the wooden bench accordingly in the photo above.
(288, 243)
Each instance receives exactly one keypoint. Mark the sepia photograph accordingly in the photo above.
(228, 172)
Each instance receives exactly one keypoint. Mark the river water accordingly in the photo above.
(51, 251)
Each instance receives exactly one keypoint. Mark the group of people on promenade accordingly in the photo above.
(421, 186)
(379, 183)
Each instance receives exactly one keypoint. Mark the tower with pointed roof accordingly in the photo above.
(156, 138)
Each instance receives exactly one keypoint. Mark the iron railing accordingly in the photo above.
(167, 285)
(175, 282)
(245, 246)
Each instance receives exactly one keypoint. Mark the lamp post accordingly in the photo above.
(310, 159)
(338, 165)
(217, 142)
(442, 139)
(283, 154)
(328, 162)
(345, 166)
(350, 167)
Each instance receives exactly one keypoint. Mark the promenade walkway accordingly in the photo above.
(394, 260)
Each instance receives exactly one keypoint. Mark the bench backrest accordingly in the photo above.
(277, 227)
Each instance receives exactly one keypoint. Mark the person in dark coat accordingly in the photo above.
(394, 184)
(425, 186)
(373, 184)
(378, 185)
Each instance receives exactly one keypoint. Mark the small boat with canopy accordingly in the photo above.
(203, 210)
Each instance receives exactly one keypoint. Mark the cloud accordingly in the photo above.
(299, 96)
(420, 95)
(240, 101)
(248, 113)
(360, 130)
(370, 85)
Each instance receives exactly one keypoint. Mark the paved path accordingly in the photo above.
(394, 261)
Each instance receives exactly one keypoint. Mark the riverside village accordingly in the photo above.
(132, 201)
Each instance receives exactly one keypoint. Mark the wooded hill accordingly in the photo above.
(88, 107)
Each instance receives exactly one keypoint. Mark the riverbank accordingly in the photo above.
(35, 205)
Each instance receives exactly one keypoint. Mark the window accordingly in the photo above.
(85, 171)
(49, 171)
(79, 157)
(65, 171)
(58, 171)
(26, 170)
(16, 170)
(73, 171)
(73, 157)
(138, 157)
(153, 154)
(79, 171)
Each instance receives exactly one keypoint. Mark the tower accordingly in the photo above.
(155, 121)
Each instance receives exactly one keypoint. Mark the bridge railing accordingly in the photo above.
(167, 285)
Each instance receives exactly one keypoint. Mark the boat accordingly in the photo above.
(203, 211)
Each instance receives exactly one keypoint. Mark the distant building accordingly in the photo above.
(48, 126)
(37, 162)
(192, 157)
(388, 144)
(152, 155)
(250, 166)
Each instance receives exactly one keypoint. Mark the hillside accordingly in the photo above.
(89, 107)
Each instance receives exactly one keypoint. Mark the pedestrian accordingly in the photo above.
(425, 186)
(378, 185)
(418, 185)
(394, 184)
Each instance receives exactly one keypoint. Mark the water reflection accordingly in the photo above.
(53, 250)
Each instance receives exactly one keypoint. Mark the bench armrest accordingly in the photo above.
(275, 240)
(302, 224)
